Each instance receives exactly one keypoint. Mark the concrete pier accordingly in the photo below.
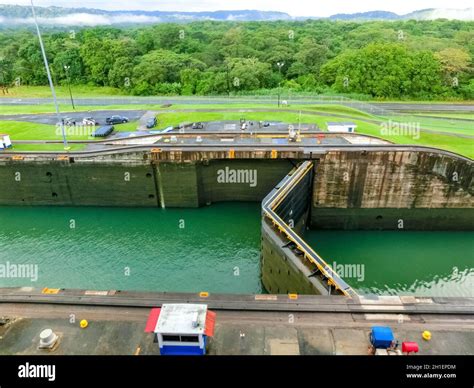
(246, 324)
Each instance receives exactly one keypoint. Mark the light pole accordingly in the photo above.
(48, 73)
(66, 68)
(280, 65)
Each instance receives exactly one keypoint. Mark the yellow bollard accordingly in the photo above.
(426, 335)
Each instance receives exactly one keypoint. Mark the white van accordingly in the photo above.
(5, 141)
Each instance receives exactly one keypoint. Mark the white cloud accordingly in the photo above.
(294, 7)
(82, 19)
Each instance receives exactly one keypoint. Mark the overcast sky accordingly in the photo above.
(293, 7)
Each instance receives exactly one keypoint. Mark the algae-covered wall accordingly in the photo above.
(263, 176)
(282, 271)
(72, 184)
(135, 181)
(392, 190)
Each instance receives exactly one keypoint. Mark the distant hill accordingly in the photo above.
(21, 15)
(15, 15)
(372, 15)
(442, 13)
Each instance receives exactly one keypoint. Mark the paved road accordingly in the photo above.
(398, 107)
(51, 119)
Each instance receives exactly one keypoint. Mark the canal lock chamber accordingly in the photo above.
(341, 191)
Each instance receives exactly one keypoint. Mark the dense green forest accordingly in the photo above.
(392, 60)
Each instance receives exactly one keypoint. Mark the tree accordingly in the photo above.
(454, 61)
(162, 66)
(384, 70)
(309, 58)
(249, 73)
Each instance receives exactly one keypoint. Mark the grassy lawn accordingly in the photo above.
(461, 146)
(47, 147)
(458, 102)
(20, 130)
(101, 91)
(62, 91)
(466, 116)
(462, 127)
(337, 109)
(65, 108)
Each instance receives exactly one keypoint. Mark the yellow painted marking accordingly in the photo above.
(293, 296)
(17, 157)
(155, 150)
(204, 294)
(274, 154)
(63, 157)
(231, 154)
(47, 290)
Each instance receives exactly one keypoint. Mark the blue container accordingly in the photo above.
(381, 337)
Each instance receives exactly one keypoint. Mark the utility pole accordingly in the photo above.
(66, 68)
(48, 73)
(280, 65)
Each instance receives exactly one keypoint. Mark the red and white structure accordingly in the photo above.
(182, 329)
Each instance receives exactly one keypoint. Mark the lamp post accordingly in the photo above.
(66, 68)
(280, 65)
(48, 73)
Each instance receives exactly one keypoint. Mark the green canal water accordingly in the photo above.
(215, 249)
(400, 262)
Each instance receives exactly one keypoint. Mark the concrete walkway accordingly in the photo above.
(120, 331)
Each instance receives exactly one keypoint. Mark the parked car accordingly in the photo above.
(151, 123)
(266, 124)
(69, 121)
(116, 120)
(104, 131)
(198, 126)
(89, 121)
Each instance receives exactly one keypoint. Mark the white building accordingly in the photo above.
(181, 329)
(347, 127)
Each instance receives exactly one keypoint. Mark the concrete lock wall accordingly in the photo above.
(193, 184)
(133, 181)
(283, 272)
(284, 269)
(72, 184)
(393, 190)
